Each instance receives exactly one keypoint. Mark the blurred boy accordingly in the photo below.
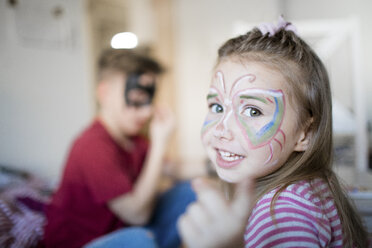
(111, 175)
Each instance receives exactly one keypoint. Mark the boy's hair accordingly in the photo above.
(126, 62)
(309, 88)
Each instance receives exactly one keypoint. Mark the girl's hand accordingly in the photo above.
(214, 222)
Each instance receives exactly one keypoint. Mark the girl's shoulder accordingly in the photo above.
(302, 211)
(310, 199)
(315, 192)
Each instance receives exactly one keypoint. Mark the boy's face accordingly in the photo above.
(128, 105)
(250, 128)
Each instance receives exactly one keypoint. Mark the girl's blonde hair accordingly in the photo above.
(309, 89)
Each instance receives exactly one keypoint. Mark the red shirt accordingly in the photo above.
(97, 170)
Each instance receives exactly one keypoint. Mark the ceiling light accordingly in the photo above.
(125, 40)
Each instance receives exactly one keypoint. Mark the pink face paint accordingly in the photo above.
(269, 100)
(248, 77)
(280, 144)
(258, 138)
(270, 156)
(211, 121)
(282, 134)
(256, 133)
(267, 133)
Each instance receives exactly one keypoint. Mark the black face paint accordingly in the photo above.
(133, 84)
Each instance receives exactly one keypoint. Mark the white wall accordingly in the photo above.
(200, 28)
(45, 94)
(337, 9)
(342, 9)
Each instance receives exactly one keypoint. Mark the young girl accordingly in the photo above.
(270, 123)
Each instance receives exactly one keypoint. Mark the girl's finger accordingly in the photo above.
(210, 198)
(187, 231)
(199, 216)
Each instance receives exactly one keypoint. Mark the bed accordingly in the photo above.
(23, 199)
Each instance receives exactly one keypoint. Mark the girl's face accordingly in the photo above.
(250, 128)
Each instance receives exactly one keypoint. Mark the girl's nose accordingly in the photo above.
(222, 131)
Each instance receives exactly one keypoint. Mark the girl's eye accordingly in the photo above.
(216, 108)
(251, 112)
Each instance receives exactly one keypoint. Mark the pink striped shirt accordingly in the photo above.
(301, 219)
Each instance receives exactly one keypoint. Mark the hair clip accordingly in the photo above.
(272, 29)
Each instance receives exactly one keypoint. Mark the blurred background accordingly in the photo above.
(48, 50)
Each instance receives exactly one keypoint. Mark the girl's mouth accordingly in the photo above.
(227, 160)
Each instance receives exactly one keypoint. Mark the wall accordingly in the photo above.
(333, 9)
(45, 92)
(336, 9)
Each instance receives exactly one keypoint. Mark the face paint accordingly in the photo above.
(144, 94)
(272, 98)
(240, 105)
(245, 130)
(222, 99)
(211, 120)
(272, 102)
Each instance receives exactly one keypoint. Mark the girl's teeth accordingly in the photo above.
(230, 156)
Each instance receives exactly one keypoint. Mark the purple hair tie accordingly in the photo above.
(272, 29)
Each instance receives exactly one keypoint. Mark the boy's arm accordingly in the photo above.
(135, 207)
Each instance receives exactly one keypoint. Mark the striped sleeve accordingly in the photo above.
(297, 222)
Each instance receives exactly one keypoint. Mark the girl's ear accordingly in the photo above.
(304, 138)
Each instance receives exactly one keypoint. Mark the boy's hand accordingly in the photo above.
(161, 126)
(214, 222)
